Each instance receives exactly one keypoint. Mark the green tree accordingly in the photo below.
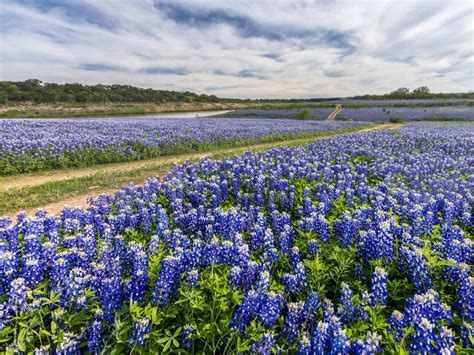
(422, 92)
(3, 97)
(400, 93)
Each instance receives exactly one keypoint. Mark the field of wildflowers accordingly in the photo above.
(407, 114)
(42, 144)
(359, 244)
(367, 111)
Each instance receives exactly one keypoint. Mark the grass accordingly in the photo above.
(29, 197)
(36, 196)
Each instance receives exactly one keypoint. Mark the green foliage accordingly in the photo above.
(422, 92)
(3, 97)
(400, 93)
(304, 115)
(345, 119)
(36, 91)
(395, 120)
(361, 159)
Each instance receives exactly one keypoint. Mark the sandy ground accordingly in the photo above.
(81, 200)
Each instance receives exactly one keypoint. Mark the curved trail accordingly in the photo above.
(332, 115)
(81, 200)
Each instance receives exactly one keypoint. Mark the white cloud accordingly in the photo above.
(245, 49)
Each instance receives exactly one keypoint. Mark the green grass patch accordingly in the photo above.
(36, 196)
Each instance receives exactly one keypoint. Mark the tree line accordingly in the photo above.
(422, 92)
(36, 91)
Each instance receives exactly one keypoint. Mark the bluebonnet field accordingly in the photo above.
(369, 114)
(361, 243)
(317, 113)
(38, 144)
(384, 114)
(404, 102)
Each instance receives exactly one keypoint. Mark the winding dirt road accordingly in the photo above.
(333, 114)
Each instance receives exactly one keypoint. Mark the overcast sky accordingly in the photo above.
(242, 48)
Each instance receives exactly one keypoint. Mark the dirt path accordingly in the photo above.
(11, 182)
(81, 200)
(379, 128)
(55, 208)
(332, 115)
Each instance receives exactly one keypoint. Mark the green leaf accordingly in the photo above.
(22, 335)
(236, 297)
(167, 346)
(244, 346)
(163, 340)
(45, 332)
(21, 346)
(53, 327)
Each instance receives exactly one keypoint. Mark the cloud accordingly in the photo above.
(99, 67)
(335, 74)
(242, 49)
(165, 71)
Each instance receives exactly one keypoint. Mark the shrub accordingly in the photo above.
(395, 120)
(304, 115)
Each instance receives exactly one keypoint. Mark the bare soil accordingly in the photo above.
(333, 114)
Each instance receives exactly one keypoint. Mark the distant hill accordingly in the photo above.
(38, 92)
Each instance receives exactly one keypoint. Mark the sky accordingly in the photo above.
(245, 49)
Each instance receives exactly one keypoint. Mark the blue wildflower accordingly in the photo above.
(378, 291)
(186, 336)
(265, 345)
(140, 331)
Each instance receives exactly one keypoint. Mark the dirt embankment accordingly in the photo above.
(29, 109)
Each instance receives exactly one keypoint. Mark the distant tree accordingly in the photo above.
(400, 93)
(422, 90)
(3, 97)
(303, 115)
